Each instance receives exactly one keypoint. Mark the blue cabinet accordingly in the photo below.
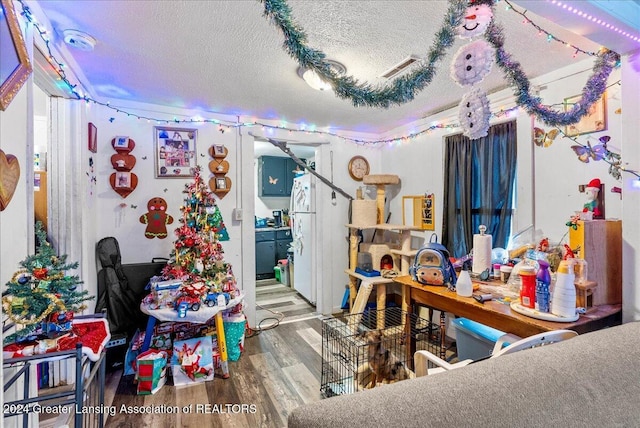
(265, 254)
(275, 175)
(283, 239)
(271, 246)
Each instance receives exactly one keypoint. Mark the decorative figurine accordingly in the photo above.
(592, 204)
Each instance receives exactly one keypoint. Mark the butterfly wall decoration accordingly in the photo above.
(273, 180)
(544, 139)
(587, 153)
(601, 152)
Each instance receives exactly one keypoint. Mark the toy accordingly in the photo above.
(184, 303)
(211, 299)
(592, 205)
(163, 294)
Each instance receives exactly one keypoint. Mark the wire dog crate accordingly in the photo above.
(347, 356)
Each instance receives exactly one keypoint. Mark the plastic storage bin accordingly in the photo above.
(474, 340)
(283, 277)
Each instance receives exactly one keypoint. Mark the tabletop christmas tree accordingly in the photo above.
(197, 259)
(41, 298)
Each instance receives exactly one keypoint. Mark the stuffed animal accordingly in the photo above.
(156, 219)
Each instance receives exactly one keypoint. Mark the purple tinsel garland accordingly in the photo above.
(592, 91)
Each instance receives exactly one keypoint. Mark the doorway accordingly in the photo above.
(274, 174)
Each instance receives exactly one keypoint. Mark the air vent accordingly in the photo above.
(400, 67)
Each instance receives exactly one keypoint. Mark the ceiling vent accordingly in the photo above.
(400, 67)
(79, 40)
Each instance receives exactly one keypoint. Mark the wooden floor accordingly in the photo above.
(278, 371)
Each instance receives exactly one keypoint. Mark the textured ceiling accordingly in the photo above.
(225, 57)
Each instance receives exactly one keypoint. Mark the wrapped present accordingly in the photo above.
(151, 371)
(234, 328)
(192, 361)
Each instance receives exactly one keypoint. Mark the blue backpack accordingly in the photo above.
(432, 265)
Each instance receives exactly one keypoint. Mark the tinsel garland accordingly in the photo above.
(24, 318)
(592, 91)
(405, 87)
(401, 91)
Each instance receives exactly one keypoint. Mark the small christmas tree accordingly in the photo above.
(41, 298)
(197, 258)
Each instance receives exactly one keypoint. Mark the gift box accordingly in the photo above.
(192, 361)
(151, 371)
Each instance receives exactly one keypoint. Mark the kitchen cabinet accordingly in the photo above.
(271, 246)
(275, 175)
(265, 254)
(283, 239)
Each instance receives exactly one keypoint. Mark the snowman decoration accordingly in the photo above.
(470, 65)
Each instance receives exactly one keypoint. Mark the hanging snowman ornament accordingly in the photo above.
(471, 64)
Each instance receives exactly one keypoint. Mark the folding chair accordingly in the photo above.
(423, 358)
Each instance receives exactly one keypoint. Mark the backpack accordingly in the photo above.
(432, 265)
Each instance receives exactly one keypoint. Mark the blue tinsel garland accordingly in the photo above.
(404, 88)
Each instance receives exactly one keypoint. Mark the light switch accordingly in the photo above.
(237, 214)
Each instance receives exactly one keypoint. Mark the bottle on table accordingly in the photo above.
(528, 286)
(464, 287)
(563, 301)
(543, 282)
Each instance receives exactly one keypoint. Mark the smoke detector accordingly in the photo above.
(79, 40)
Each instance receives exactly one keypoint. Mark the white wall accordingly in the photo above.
(551, 197)
(630, 130)
(14, 229)
(16, 220)
(119, 217)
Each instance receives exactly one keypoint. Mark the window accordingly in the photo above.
(479, 178)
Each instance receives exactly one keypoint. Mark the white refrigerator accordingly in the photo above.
(303, 231)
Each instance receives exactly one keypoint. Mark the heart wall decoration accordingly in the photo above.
(9, 176)
(220, 184)
(123, 181)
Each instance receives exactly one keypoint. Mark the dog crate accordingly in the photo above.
(348, 366)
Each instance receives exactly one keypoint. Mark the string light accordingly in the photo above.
(598, 21)
(550, 37)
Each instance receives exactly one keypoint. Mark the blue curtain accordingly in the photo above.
(479, 177)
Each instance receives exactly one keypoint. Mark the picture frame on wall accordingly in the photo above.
(594, 121)
(16, 66)
(121, 142)
(221, 183)
(92, 138)
(123, 179)
(175, 152)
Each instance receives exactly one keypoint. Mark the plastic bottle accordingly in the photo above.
(464, 287)
(563, 302)
(528, 286)
(543, 281)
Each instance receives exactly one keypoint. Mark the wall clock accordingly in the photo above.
(358, 167)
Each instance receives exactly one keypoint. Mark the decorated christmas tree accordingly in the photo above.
(41, 298)
(197, 259)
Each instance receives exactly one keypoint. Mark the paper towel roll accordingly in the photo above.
(482, 245)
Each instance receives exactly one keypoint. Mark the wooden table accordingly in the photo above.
(499, 315)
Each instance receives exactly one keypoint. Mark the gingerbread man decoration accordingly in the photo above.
(156, 219)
